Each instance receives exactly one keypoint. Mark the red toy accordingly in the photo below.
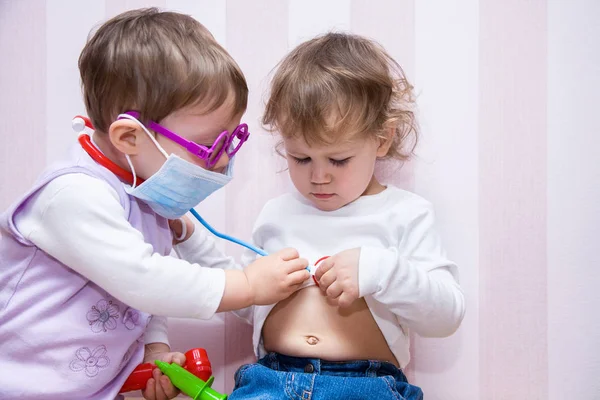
(317, 263)
(196, 362)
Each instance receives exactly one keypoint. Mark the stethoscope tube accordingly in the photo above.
(226, 237)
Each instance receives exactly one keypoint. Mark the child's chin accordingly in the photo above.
(327, 206)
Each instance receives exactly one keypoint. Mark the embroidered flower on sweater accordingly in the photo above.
(131, 318)
(90, 362)
(103, 316)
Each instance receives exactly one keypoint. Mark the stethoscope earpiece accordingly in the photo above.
(78, 124)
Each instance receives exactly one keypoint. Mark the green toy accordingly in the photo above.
(189, 383)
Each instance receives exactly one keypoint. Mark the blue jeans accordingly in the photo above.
(277, 377)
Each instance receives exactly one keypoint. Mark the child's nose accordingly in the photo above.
(320, 175)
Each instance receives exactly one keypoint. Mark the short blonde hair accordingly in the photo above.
(339, 84)
(156, 63)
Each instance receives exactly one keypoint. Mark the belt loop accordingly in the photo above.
(373, 369)
(274, 361)
(318, 366)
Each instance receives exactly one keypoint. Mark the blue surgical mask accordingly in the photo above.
(178, 185)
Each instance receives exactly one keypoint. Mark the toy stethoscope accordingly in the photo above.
(80, 123)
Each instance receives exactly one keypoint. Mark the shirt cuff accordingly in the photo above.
(375, 265)
(157, 331)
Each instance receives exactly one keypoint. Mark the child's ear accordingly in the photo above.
(126, 135)
(386, 142)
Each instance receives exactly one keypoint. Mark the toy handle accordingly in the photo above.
(196, 362)
(138, 378)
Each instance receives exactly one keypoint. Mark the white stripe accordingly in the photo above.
(68, 24)
(308, 18)
(212, 14)
(573, 196)
(446, 173)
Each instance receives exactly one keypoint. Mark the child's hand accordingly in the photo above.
(159, 387)
(338, 277)
(182, 229)
(275, 277)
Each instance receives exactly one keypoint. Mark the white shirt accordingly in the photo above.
(79, 220)
(403, 274)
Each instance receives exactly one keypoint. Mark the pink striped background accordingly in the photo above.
(507, 93)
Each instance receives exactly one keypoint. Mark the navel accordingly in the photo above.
(312, 340)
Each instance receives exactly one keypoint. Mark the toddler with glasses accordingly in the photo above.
(86, 275)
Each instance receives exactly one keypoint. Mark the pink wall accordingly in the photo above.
(512, 193)
(507, 96)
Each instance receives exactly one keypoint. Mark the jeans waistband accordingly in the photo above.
(354, 368)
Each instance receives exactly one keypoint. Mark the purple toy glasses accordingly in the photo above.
(225, 142)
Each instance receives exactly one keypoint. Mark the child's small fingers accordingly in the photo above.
(167, 387)
(178, 358)
(150, 393)
(157, 377)
(295, 287)
(160, 395)
(288, 254)
(168, 358)
(299, 264)
(298, 277)
(324, 266)
(326, 280)
(345, 300)
(334, 290)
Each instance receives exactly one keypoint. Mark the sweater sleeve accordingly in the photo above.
(246, 314)
(157, 331)
(201, 248)
(79, 220)
(415, 280)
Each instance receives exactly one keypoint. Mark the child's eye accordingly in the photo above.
(339, 163)
(301, 160)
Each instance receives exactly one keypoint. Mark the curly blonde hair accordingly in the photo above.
(340, 84)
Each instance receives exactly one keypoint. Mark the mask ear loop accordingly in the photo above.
(158, 146)
(133, 185)
(183, 230)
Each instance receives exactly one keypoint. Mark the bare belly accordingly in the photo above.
(307, 324)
